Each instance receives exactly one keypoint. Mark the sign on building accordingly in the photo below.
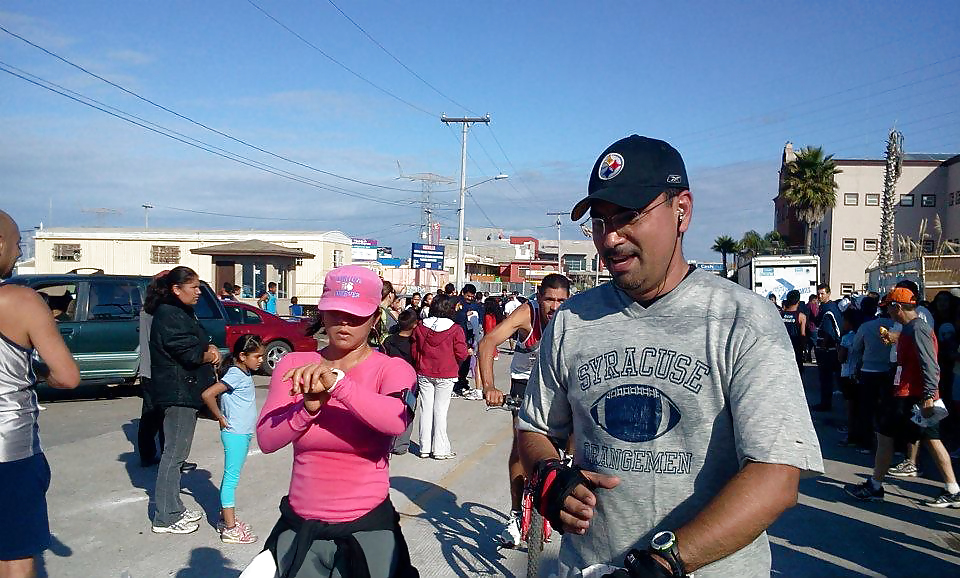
(364, 249)
(426, 256)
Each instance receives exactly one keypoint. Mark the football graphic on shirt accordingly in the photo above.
(635, 413)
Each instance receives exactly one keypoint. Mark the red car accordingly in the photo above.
(279, 336)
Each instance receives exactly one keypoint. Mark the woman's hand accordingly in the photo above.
(313, 381)
(212, 355)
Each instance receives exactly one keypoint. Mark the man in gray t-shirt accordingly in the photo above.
(680, 389)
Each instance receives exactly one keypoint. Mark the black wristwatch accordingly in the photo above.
(664, 544)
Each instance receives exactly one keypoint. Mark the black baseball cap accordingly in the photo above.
(632, 172)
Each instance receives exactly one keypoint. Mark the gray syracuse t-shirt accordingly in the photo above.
(674, 399)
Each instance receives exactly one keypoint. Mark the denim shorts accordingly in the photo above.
(24, 526)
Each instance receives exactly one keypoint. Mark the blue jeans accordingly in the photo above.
(179, 424)
(235, 448)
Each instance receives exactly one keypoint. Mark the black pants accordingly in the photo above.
(462, 383)
(872, 385)
(151, 425)
(827, 367)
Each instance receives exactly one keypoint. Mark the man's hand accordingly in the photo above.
(926, 409)
(224, 424)
(578, 508)
(493, 396)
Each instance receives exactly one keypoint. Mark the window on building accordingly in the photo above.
(951, 199)
(872, 199)
(816, 243)
(906, 200)
(928, 246)
(870, 244)
(928, 200)
(849, 244)
(575, 262)
(847, 288)
(165, 254)
(851, 198)
(337, 258)
(66, 252)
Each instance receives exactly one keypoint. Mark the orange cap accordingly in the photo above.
(900, 295)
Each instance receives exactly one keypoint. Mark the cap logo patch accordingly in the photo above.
(610, 166)
(673, 179)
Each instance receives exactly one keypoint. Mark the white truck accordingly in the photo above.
(778, 274)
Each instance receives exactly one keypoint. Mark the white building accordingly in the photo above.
(296, 260)
(848, 238)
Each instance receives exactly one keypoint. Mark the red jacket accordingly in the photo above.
(437, 347)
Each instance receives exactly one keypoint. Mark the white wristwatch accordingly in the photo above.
(339, 375)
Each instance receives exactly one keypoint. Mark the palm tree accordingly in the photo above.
(725, 245)
(775, 242)
(754, 242)
(810, 188)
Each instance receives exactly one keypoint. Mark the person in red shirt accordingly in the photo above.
(438, 346)
(915, 384)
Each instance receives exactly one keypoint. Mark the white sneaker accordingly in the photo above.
(473, 395)
(190, 516)
(510, 536)
(179, 527)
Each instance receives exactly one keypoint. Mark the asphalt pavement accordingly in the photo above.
(451, 511)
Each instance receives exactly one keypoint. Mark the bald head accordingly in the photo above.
(9, 244)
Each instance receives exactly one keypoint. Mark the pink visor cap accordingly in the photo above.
(351, 289)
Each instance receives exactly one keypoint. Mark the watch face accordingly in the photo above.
(663, 540)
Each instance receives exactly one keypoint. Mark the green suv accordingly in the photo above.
(99, 318)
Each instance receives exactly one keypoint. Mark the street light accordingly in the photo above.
(463, 189)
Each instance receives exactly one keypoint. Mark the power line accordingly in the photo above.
(338, 63)
(196, 143)
(195, 122)
(397, 60)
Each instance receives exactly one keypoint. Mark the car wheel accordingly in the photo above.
(274, 353)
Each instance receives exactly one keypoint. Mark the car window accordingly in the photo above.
(206, 307)
(62, 300)
(251, 317)
(114, 300)
(234, 314)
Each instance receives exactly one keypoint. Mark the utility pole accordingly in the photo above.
(466, 122)
(146, 215)
(559, 253)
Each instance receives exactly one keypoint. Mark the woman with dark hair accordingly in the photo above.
(425, 305)
(438, 346)
(182, 363)
(340, 409)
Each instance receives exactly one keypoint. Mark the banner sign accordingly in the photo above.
(426, 256)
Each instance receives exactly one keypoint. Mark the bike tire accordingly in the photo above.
(534, 544)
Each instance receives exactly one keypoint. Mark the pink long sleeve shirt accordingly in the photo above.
(341, 454)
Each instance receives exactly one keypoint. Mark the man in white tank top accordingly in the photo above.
(28, 334)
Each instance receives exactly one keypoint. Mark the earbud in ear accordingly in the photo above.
(680, 215)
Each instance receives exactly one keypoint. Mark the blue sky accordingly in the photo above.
(727, 85)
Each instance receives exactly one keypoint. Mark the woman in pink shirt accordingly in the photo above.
(340, 408)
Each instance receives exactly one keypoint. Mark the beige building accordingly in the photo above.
(848, 238)
(296, 260)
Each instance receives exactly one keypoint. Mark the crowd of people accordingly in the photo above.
(679, 395)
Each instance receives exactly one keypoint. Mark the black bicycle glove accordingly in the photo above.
(553, 482)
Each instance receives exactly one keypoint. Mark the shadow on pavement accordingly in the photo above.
(885, 551)
(465, 531)
(206, 563)
(57, 548)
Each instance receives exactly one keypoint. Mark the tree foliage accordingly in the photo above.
(810, 187)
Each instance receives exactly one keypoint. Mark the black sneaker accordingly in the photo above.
(864, 492)
(944, 500)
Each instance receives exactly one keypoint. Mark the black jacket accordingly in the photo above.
(177, 344)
